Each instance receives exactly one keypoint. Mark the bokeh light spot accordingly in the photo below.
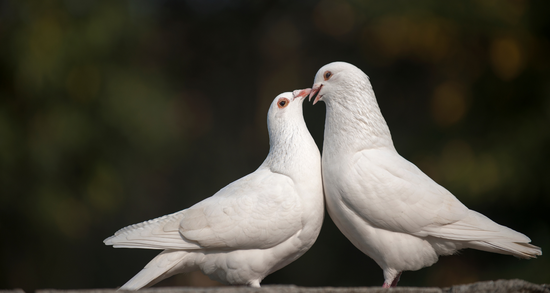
(334, 17)
(72, 218)
(506, 58)
(448, 104)
(429, 39)
(281, 40)
(104, 191)
(83, 83)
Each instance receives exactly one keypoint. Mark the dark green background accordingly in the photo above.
(115, 112)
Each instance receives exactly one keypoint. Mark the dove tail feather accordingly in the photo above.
(140, 227)
(479, 232)
(158, 233)
(517, 249)
(159, 268)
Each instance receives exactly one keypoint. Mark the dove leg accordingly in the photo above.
(391, 281)
(394, 283)
(391, 277)
(254, 284)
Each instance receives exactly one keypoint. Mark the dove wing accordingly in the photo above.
(399, 197)
(257, 211)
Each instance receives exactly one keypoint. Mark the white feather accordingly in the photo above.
(385, 205)
(253, 226)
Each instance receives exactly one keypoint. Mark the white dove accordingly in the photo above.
(384, 204)
(253, 226)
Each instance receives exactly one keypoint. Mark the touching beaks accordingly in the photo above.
(301, 93)
(315, 93)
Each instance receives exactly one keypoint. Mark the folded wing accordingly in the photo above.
(421, 207)
(257, 211)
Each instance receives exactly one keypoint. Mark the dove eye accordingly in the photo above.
(327, 75)
(283, 103)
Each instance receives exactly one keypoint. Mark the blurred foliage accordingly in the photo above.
(115, 112)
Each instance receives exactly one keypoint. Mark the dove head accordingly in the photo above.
(286, 106)
(285, 114)
(352, 109)
(334, 79)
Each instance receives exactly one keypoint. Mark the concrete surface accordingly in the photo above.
(500, 286)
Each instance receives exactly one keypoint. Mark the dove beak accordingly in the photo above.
(301, 93)
(315, 93)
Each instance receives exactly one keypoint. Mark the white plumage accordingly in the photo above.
(253, 226)
(384, 204)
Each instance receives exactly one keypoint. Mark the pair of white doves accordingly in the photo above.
(385, 205)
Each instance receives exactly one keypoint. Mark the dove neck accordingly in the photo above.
(291, 150)
(356, 123)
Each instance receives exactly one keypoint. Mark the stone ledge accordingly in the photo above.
(12, 291)
(499, 286)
